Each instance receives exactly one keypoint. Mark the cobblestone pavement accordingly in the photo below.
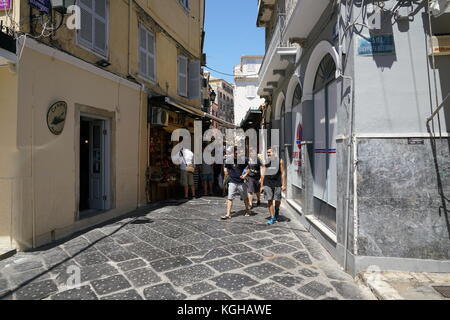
(182, 251)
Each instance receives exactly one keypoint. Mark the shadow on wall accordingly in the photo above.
(378, 43)
(443, 68)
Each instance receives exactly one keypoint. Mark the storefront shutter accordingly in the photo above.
(194, 79)
(182, 76)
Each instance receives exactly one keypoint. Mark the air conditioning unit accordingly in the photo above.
(440, 45)
(160, 117)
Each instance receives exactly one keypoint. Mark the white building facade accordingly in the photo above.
(246, 87)
(360, 94)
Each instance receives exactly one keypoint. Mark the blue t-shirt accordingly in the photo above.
(235, 171)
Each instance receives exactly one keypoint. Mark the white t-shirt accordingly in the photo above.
(186, 158)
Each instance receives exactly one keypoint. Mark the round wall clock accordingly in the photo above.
(56, 117)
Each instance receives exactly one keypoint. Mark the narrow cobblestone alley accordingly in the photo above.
(183, 251)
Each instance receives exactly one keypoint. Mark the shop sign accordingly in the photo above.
(56, 117)
(41, 5)
(375, 45)
(5, 4)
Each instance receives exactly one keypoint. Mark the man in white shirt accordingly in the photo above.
(186, 160)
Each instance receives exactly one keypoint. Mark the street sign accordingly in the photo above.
(376, 44)
(5, 4)
(41, 5)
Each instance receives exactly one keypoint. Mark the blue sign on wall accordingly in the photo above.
(41, 5)
(380, 44)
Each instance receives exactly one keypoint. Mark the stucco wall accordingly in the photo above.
(9, 153)
(51, 161)
(181, 32)
(394, 91)
(241, 103)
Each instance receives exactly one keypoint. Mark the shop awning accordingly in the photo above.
(193, 111)
(252, 119)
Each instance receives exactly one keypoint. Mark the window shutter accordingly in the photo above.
(251, 91)
(86, 22)
(194, 79)
(182, 76)
(151, 55)
(142, 52)
(100, 25)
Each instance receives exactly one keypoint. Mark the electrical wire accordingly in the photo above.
(228, 74)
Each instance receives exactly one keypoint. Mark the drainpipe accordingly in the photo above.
(351, 144)
(139, 145)
(33, 178)
(130, 15)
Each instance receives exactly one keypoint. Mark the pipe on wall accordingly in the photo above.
(351, 144)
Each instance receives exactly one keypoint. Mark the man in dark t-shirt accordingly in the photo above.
(273, 184)
(254, 177)
(237, 174)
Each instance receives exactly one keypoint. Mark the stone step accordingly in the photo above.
(6, 253)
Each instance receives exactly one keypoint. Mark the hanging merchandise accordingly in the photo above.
(439, 7)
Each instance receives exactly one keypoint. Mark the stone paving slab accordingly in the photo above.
(181, 251)
(398, 285)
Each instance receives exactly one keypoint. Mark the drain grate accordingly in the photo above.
(443, 290)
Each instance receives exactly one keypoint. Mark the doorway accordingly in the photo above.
(94, 166)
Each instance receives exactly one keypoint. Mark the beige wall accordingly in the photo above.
(48, 178)
(178, 31)
(39, 171)
(9, 153)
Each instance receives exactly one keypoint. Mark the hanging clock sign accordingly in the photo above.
(56, 117)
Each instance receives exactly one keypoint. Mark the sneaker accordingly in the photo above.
(271, 221)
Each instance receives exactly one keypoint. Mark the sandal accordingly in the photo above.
(226, 218)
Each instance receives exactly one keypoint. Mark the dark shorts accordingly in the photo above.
(253, 185)
(207, 177)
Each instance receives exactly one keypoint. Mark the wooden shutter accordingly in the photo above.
(194, 79)
(142, 51)
(182, 76)
(151, 55)
(86, 32)
(251, 92)
(100, 26)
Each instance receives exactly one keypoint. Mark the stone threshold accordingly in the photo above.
(397, 285)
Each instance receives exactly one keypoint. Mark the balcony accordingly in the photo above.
(265, 12)
(302, 16)
(278, 56)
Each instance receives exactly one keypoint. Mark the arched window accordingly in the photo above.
(325, 73)
(297, 98)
